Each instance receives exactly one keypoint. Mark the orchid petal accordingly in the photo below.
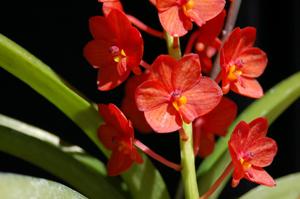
(247, 87)
(164, 119)
(150, 95)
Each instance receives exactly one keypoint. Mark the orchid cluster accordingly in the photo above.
(178, 93)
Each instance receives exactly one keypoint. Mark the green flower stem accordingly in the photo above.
(173, 47)
(188, 171)
(274, 102)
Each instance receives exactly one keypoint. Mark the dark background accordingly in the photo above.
(56, 31)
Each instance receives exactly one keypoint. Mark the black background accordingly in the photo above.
(56, 31)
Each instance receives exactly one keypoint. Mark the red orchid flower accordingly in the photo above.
(117, 134)
(250, 151)
(241, 63)
(176, 92)
(208, 43)
(214, 123)
(110, 4)
(116, 50)
(129, 106)
(176, 16)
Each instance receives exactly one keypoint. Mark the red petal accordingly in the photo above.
(163, 5)
(206, 63)
(162, 68)
(163, 119)
(118, 163)
(97, 53)
(150, 95)
(258, 129)
(96, 25)
(250, 88)
(106, 133)
(186, 72)
(237, 175)
(204, 10)
(262, 152)
(129, 106)
(207, 144)
(218, 120)
(175, 22)
(119, 23)
(211, 30)
(132, 43)
(238, 171)
(238, 40)
(197, 131)
(115, 118)
(109, 77)
(201, 99)
(254, 62)
(260, 176)
(239, 137)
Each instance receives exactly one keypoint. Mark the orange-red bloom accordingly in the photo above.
(241, 63)
(208, 42)
(110, 4)
(176, 91)
(129, 107)
(116, 50)
(117, 134)
(250, 151)
(176, 16)
(214, 123)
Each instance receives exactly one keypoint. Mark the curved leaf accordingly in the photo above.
(287, 187)
(274, 102)
(16, 138)
(17, 61)
(15, 186)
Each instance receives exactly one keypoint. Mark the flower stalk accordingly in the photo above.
(157, 157)
(188, 171)
(145, 28)
(188, 164)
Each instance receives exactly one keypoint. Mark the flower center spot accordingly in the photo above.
(246, 165)
(188, 5)
(117, 54)
(178, 100)
(234, 72)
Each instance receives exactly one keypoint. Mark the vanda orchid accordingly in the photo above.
(178, 109)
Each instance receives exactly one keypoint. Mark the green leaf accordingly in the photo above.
(17, 61)
(288, 187)
(13, 186)
(16, 138)
(274, 102)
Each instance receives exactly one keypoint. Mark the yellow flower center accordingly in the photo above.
(178, 102)
(233, 73)
(246, 165)
(187, 6)
(120, 56)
